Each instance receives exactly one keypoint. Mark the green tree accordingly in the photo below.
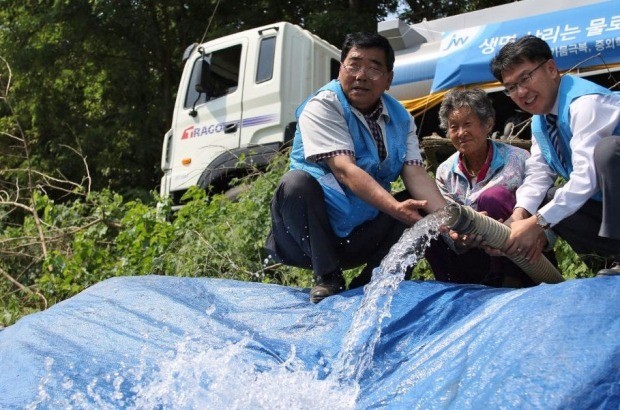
(101, 76)
(433, 9)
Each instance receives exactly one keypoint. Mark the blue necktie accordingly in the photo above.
(554, 136)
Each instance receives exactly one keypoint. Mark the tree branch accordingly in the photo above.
(22, 287)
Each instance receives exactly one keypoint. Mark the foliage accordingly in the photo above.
(419, 10)
(101, 76)
(101, 235)
(573, 266)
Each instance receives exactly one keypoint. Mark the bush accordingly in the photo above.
(100, 236)
(72, 245)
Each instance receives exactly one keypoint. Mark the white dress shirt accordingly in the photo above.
(592, 117)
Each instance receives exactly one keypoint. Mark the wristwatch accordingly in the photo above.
(542, 222)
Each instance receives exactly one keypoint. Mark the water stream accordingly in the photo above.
(359, 344)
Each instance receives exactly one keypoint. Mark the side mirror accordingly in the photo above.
(202, 83)
(202, 78)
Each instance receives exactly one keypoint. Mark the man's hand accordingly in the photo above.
(527, 239)
(364, 186)
(407, 211)
(517, 215)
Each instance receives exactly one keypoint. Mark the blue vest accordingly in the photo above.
(345, 209)
(571, 87)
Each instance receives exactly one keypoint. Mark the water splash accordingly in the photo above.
(358, 346)
(194, 375)
(238, 384)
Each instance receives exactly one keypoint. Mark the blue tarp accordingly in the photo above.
(575, 36)
(168, 342)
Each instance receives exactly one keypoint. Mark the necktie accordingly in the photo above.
(375, 130)
(554, 136)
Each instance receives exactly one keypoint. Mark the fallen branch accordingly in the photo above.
(23, 288)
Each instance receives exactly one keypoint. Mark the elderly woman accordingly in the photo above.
(483, 174)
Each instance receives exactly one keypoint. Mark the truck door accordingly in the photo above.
(208, 123)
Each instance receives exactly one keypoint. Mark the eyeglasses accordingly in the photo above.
(371, 73)
(521, 82)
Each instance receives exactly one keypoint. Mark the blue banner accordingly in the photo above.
(576, 37)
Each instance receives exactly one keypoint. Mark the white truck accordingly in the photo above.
(236, 102)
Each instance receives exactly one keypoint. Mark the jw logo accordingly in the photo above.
(456, 41)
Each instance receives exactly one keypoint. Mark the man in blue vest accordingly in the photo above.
(333, 209)
(576, 135)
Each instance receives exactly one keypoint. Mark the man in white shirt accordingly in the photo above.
(576, 135)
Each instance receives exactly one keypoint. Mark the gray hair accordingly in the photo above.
(475, 99)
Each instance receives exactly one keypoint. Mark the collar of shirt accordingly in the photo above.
(379, 111)
(554, 109)
(485, 167)
(376, 113)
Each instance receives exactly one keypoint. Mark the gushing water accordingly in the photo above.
(195, 376)
(360, 341)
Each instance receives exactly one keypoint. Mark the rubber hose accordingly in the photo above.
(465, 220)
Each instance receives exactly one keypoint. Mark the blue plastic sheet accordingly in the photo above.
(167, 342)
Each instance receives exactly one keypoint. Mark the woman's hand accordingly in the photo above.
(466, 242)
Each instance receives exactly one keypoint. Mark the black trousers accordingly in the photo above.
(607, 163)
(581, 230)
(595, 227)
(301, 234)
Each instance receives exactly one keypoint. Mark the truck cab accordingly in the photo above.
(236, 103)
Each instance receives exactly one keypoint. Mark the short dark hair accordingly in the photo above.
(526, 48)
(368, 40)
(476, 99)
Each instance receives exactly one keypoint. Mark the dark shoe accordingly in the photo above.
(612, 271)
(327, 285)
